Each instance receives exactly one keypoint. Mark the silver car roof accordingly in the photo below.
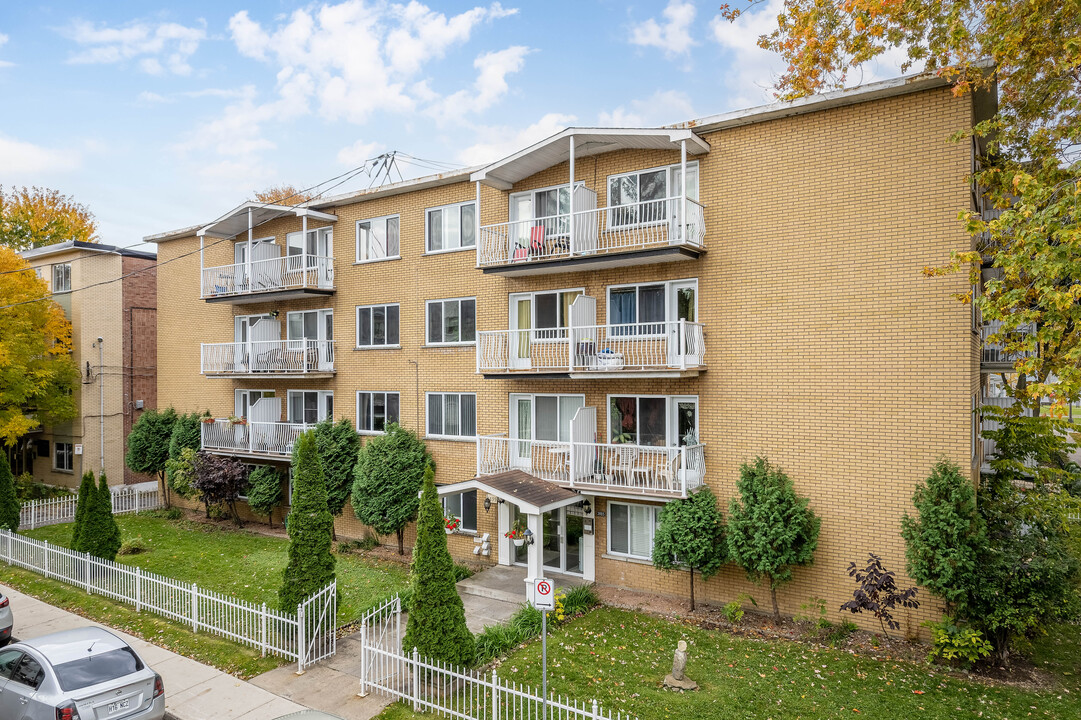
(67, 645)
(309, 715)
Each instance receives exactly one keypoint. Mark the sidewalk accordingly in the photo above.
(193, 691)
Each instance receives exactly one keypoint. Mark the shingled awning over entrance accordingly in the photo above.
(530, 493)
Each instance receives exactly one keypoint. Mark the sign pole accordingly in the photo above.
(544, 665)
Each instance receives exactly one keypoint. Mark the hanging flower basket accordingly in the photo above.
(208, 421)
(518, 542)
(233, 420)
(452, 524)
(516, 535)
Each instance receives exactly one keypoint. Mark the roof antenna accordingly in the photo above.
(383, 167)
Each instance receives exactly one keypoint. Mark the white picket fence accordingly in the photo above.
(307, 636)
(53, 511)
(449, 690)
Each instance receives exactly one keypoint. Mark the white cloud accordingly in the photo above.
(672, 34)
(157, 48)
(354, 155)
(5, 63)
(20, 159)
(502, 141)
(148, 97)
(663, 107)
(488, 88)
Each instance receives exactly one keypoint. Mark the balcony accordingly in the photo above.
(995, 356)
(650, 350)
(269, 359)
(595, 238)
(601, 468)
(277, 278)
(251, 439)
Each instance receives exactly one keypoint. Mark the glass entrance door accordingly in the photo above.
(561, 550)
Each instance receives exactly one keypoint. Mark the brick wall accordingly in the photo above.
(140, 329)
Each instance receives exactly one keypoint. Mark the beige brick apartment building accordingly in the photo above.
(119, 378)
(746, 284)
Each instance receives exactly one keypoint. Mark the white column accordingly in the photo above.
(477, 229)
(683, 190)
(247, 263)
(202, 264)
(534, 556)
(303, 250)
(571, 205)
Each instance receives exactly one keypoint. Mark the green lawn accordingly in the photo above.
(239, 563)
(620, 658)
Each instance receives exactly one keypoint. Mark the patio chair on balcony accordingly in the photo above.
(667, 477)
(536, 241)
(624, 463)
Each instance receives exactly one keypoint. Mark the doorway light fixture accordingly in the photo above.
(587, 507)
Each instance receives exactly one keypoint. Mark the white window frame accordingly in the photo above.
(449, 512)
(443, 209)
(374, 345)
(320, 411)
(61, 287)
(513, 413)
(451, 343)
(318, 234)
(362, 253)
(536, 332)
(652, 534)
(386, 419)
(443, 435)
(671, 422)
(669, 181)
(69, 454)
(249, 392)
(668, 310)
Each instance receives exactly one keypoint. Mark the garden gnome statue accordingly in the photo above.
(679, 663)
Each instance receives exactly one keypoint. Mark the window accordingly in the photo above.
(377, 326)
(653, 421)
(41, 448)
(451, 227)
(464, 506)
(94, 670)
(310, 406)
(378, 238)
(319, 244)
(63, 456)
(452, 415)
(641, 197)
(244, 400)
(641, 307)
(62, 278)
(452, 321)
(28, 673)
(975, 425)
(375, 410)
(631, 529)
(544, 417)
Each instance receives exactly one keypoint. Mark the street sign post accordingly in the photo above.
(544, 599)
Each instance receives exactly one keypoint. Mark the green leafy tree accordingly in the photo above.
(690, 536)
(219, 480)
(771, 529)
(180, 473)
(187, 433)
(35, 217)
(436, 625)
(10, 507)
(338, 445)
(265, 491)
(100, 535)
(88, 492)
(311, 562)
(148, 445)
(389, 474)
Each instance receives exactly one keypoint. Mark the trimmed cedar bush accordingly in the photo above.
(181, 473)
(771, 529)
(88, 491)
(389, 474)
(187, 433)
(338, 445)
(148, 445)
(265, 491)
(10, 507)
(100, 535)
(311, 562)
(690, 536)
(436, 625)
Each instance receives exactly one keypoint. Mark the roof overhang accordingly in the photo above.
(531, 494)
(503, 174)
(253, 214)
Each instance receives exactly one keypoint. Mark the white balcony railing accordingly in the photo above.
(290, 272)
(600, 467)
(673, 345)
(251, 438)
(637, 226)
(294, 357)
(995, 353)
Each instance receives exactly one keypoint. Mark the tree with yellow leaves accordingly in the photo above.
(37, 373)
(283, 195)
(35, 217)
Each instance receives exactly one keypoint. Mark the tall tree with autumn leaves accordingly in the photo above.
(35, 217)
(37, 373)
(1031, 150)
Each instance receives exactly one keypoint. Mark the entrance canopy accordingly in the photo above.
(532, 495)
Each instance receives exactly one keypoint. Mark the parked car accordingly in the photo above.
(83, 674)
(308, 715)
(6, 621)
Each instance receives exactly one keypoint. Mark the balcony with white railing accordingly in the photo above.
(603, 468)
(675, 348)
(653, 231)
(268, 359)
(281, 277)
(995, 356)
(251, 439)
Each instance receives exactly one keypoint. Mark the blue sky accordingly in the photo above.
(160, 117)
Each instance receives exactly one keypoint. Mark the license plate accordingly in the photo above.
(118, 706)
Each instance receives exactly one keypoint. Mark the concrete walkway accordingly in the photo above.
(193, 691)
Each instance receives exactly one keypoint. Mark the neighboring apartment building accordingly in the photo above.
(746, 284)
(109, 293)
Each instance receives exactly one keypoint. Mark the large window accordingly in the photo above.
(377, 326)
(452, 415)
(653, 420)
(62, 278)
(451, 227)
(641, 197)
(319, 243)
(452, 321)
(544, 417)
(377, 238)
(310, 406)
(375, 410)
(640, 306)
(243, 400)
(631, 529)
(63, 456)
(464, 506)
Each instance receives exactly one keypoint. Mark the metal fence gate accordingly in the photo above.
(317, 627)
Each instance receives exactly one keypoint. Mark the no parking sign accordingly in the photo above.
(544, 594)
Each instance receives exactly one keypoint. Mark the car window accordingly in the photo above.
(84, 672)
(8, 660)
(29, 673)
